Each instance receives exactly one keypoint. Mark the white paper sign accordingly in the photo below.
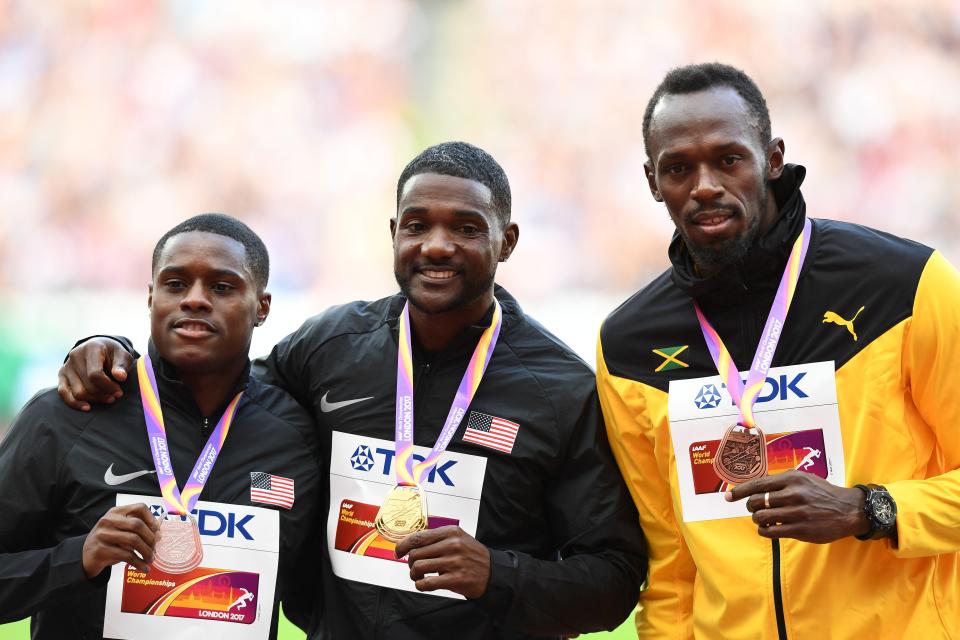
(797, 411)
(361, 474)
(230, 595)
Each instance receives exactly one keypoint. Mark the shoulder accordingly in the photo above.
(659, 317)
(360, 316)
(844, 244)
(557, 369)
(278, 415)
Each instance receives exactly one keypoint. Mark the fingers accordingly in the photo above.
(762, 485)
(124, 534)
(420, 568)
(784, 515)
(64, 388)
(424, 538)
(121, 361)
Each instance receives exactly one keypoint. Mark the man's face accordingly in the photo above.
(709, 168)
(447, 241)
(204, 303)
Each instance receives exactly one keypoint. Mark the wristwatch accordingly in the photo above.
(881, 511)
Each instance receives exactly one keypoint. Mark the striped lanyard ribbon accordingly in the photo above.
(174, 501)
(408, 472)
(745, 395)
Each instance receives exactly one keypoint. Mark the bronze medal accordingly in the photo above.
(178, 547)
(742, 455)
(404, 511)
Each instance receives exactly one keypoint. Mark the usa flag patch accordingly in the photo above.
(269, 489)
(491, 431)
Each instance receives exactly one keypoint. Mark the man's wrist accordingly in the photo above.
(880, 511)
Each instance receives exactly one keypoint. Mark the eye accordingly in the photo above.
(223, 287)
(175, 284)
(731, 160)
(415, 226)
(470, 229)
(675, 168)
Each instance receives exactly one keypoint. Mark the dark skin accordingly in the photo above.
(124, 534)
(204, 303)
(710, 168)
(448, 241)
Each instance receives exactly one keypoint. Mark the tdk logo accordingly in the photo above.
(362, 458)
(780, 387)
(708, 398)
(214, 524)
(381, 461)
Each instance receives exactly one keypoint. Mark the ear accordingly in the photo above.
(511, 234)
(775, 162)
(263, 308)
(393, 228)
(652, 180)
(150, 296)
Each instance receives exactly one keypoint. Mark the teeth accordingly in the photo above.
(194, 326)
(438, 275)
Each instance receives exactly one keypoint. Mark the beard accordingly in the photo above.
(715, 258)
(472, 289)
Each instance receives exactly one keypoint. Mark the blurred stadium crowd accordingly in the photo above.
(119, 118)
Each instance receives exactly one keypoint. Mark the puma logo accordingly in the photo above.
(830, 316)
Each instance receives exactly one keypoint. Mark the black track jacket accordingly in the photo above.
(557, 492)
(53, 465)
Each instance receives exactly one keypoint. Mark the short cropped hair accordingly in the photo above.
(463, 160)
(699, 77)
(258, 261)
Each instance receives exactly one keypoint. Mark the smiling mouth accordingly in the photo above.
(712, 218)
(437, 274)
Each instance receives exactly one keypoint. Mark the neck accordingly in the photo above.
(211, 390)
(436, 331)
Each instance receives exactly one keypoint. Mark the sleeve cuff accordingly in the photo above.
(504, 568)
(67, 565)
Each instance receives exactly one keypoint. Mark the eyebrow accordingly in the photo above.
(220, 273)
(670, 154)
(457, 212)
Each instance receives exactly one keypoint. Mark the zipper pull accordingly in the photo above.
(205, 425)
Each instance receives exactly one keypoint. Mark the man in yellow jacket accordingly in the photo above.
(782, 401)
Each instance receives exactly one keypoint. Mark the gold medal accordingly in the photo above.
(178, 548)
(404, 511)
(742, 454)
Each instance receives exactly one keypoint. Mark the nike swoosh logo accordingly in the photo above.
(326, 406)
(112, 479)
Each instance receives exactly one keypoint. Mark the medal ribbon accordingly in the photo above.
(745, 395)
(407, 472)
(174, 501)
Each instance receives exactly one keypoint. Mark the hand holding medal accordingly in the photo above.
(742, 454)
(178, 546)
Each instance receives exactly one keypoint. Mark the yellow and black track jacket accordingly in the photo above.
(899, 420)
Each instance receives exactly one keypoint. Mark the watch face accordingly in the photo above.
(884, 508)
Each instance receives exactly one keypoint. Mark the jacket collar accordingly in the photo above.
(763, 265)
(466, 342)
(174, 392)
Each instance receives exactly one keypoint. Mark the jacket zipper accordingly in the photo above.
(778, 593)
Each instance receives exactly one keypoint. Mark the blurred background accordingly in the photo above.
(120, 118)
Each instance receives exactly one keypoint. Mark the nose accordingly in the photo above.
(706, 187)
(196, 298)
(438, 243)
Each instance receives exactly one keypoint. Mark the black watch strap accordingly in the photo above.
(880, 510)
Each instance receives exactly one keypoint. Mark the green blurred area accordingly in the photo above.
(21, 631)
